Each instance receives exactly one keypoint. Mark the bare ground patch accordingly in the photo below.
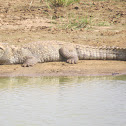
(96, 23)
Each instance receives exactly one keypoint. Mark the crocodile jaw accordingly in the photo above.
(1, 52)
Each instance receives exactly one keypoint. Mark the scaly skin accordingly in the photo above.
(48, 51)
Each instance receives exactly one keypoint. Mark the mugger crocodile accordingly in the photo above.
(48, 51)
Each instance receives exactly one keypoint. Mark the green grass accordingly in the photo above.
(75, 22)
(60, 3)
(104, 23)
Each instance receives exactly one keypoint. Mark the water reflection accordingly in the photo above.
(25, 81)
(63, 101)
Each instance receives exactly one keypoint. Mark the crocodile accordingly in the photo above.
(48, 51)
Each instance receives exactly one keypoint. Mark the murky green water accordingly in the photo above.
(63, 101)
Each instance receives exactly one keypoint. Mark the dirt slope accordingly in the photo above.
(89, 22)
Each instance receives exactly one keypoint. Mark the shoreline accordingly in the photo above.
(62, 75)
(99, 23)
(83, 68)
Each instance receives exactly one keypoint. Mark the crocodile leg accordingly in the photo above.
(69, 53)
(30, 61)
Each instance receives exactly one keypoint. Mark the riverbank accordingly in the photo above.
(83, 68)
(95, 23)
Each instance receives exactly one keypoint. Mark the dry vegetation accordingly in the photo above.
(94, 22)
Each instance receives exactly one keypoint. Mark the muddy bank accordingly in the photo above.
(83, 68)
(95, 23)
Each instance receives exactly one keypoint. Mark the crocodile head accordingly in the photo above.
(1, 51)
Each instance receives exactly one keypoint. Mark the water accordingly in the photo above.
(63, 101)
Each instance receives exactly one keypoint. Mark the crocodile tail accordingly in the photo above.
(120, 53)
(101, 53)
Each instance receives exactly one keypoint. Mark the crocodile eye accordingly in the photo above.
(1, 52)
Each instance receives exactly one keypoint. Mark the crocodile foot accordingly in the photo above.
(29, 62)
(72, 60)
(69, 53)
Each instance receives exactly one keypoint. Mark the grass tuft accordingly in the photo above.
(75, 23)
(61, 3)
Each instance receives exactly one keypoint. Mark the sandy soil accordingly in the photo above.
(96, 23)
